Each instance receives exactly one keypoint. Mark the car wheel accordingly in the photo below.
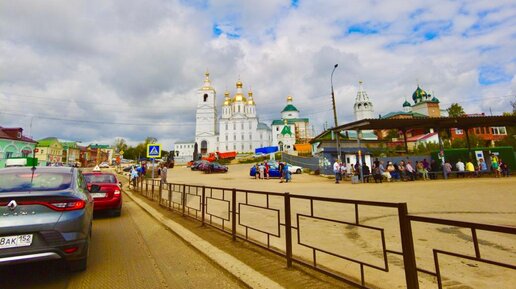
(117, 212)
(298, 171)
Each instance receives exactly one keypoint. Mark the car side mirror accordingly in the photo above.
(94, 188)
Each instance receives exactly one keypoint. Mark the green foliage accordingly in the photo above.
(455, 110)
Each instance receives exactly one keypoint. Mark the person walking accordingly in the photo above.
(267, 169)
(133, 177)
(336, 171)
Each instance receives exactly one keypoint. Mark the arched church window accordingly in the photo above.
(205, 97)
(242, 125)
(365, 105)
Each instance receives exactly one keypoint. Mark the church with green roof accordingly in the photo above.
(290, 129)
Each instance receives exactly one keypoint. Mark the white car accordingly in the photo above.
(104, 165)
(295, 169)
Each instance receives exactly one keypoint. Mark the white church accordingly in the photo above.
(236, 129)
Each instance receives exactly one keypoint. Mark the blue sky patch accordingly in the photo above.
(367, 27)
(294, 3)
(199, 4)
(429, 30)
(489, 75)
(226, 29)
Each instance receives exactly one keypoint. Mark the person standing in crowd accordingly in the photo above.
(133, 176)
(286, 173)
(164, 171)
(280, 169)
(434, 168)
(447, 167)
(336, 171)
(495, 165)
(460, 168)
(256, 171)
(366, 172)
(266, 170)
(261, 168)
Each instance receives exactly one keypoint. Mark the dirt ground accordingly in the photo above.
(483, 200)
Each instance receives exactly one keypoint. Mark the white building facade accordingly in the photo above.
(237, 128)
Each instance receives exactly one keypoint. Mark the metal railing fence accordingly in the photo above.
(355, 241)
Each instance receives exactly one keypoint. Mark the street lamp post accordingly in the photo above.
(335, 111)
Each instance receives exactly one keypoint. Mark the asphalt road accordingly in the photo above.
(132, 251)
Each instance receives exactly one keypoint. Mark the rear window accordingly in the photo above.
(100, 179)
(38, 181)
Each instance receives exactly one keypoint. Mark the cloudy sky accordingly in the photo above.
(98, 70)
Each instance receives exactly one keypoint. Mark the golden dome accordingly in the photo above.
(250, 102)
(239, 84)
(289, 98)
(239, 97)
(226, 102)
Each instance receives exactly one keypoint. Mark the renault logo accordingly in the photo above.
(12, 205)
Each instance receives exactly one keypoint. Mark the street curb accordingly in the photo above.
(237, 268)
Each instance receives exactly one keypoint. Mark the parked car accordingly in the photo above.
(274, 171)
(104, 165)
(198, 165)
(109, 197)
(46, 213)
(215, 168)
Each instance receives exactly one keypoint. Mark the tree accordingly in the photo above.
(455, 110)
(120, 145)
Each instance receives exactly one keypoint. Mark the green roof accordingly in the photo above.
(413, 114)
(289, 121)
(406, 103)
(46, 142)
(289, 107)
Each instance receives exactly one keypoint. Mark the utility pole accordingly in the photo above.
(335, 111)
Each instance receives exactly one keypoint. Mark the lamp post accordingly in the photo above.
(335, 110)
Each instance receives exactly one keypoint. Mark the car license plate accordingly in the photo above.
(15, 241)
(98, 195)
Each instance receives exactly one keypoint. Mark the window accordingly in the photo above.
(277, 128)
(250, 125)
(234, 137)
(234, 126)
(250, 136)
(226, 137)
(250, 148)
(242, 125)
(226, 126)
(459, 131)
(261, 136)
(477, 130)
(205, 97)
(234, 147)
(499, 130)
(242, 136)
(242, 147)
(226, 147)
(8, 155)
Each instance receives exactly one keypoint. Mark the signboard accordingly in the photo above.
(153, 150)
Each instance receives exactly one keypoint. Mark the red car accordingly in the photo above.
(109, 197)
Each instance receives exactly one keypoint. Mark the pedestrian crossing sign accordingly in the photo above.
(153, 150)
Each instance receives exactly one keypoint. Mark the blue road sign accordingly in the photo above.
(153, 150)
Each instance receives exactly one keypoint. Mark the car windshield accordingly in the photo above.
(100, 179)
(37, 181)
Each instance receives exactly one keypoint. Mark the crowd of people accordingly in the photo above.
(405, 170)
(263, 171)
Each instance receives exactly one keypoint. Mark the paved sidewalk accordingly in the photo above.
(254, 266)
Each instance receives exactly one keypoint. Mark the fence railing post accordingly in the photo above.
(152, 193)
(407, 244)
(183, 198)
(203, 204)
(288, 231)
(170, 196)
(233, 214)
(160, 192)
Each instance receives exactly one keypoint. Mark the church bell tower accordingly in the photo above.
(206, 118)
